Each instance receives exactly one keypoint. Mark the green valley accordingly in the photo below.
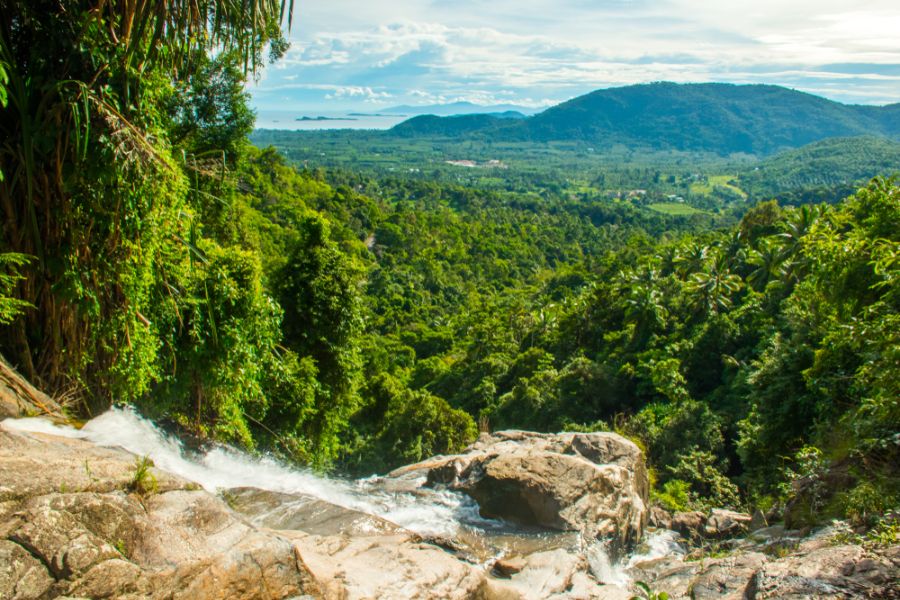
(710, 270)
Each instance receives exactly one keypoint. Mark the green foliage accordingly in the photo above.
(645, 592)
(867, 501)
(675, 495)
(10, 306)
(224, 343)
(697, 468)
(402, 426)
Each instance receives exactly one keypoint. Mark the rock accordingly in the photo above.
(595, 483)
(758, 521)
(660, 518)
(726, 578)
(93, 539)
(18, 398)
(670, 574)
(558, 574)
(303, 513)
(722, 524)
(22, 576)
(828, 572)
(386, 566)
(36, 464)
(507, 567)
(691, 525)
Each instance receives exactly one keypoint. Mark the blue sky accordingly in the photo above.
(365, 55)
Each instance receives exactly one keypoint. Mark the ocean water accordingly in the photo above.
(287, 120)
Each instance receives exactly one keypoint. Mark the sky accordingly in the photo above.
(362, 55)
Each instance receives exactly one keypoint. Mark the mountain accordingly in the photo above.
(709, 117)
(460, 108)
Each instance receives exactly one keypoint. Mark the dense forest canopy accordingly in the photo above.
(361, 319)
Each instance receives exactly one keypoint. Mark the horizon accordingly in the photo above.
(350, 58)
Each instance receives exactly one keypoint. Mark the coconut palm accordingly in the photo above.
(714, 285)
(768, 261)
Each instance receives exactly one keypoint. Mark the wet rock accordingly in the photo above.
(590, 482)
(304, 513)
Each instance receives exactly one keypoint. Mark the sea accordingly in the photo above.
(309, 121)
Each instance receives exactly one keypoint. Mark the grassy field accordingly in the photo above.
(675, 208)
(717, 181)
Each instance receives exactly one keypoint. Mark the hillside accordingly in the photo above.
(831, 162)
(709, 117)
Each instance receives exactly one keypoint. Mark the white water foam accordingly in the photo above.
(440, 513)
(658, 544)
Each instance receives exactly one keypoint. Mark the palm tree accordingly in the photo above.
(714, 285)
(692, 259)
(769, 263)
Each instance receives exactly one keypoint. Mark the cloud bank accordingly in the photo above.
(351, 55)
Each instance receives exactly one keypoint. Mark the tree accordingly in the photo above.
(92, 188)
(317, 287)
(714, 285)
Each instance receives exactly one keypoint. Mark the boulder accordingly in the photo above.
(691, 525)
(554, 574)
(18, 398)
(722, 523)
(595, 483)
(22, 576)
(660, 518)
(669, 573)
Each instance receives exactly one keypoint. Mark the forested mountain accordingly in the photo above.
(710, 117)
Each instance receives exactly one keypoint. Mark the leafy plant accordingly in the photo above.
(143, 481)
(645, 592)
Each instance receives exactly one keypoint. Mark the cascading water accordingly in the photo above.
(434, 513)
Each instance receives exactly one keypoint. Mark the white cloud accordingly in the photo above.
(365, 93)
(541, 51)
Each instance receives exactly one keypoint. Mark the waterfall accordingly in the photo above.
(428, 512)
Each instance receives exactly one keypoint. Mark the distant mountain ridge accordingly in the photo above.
(708, 117)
